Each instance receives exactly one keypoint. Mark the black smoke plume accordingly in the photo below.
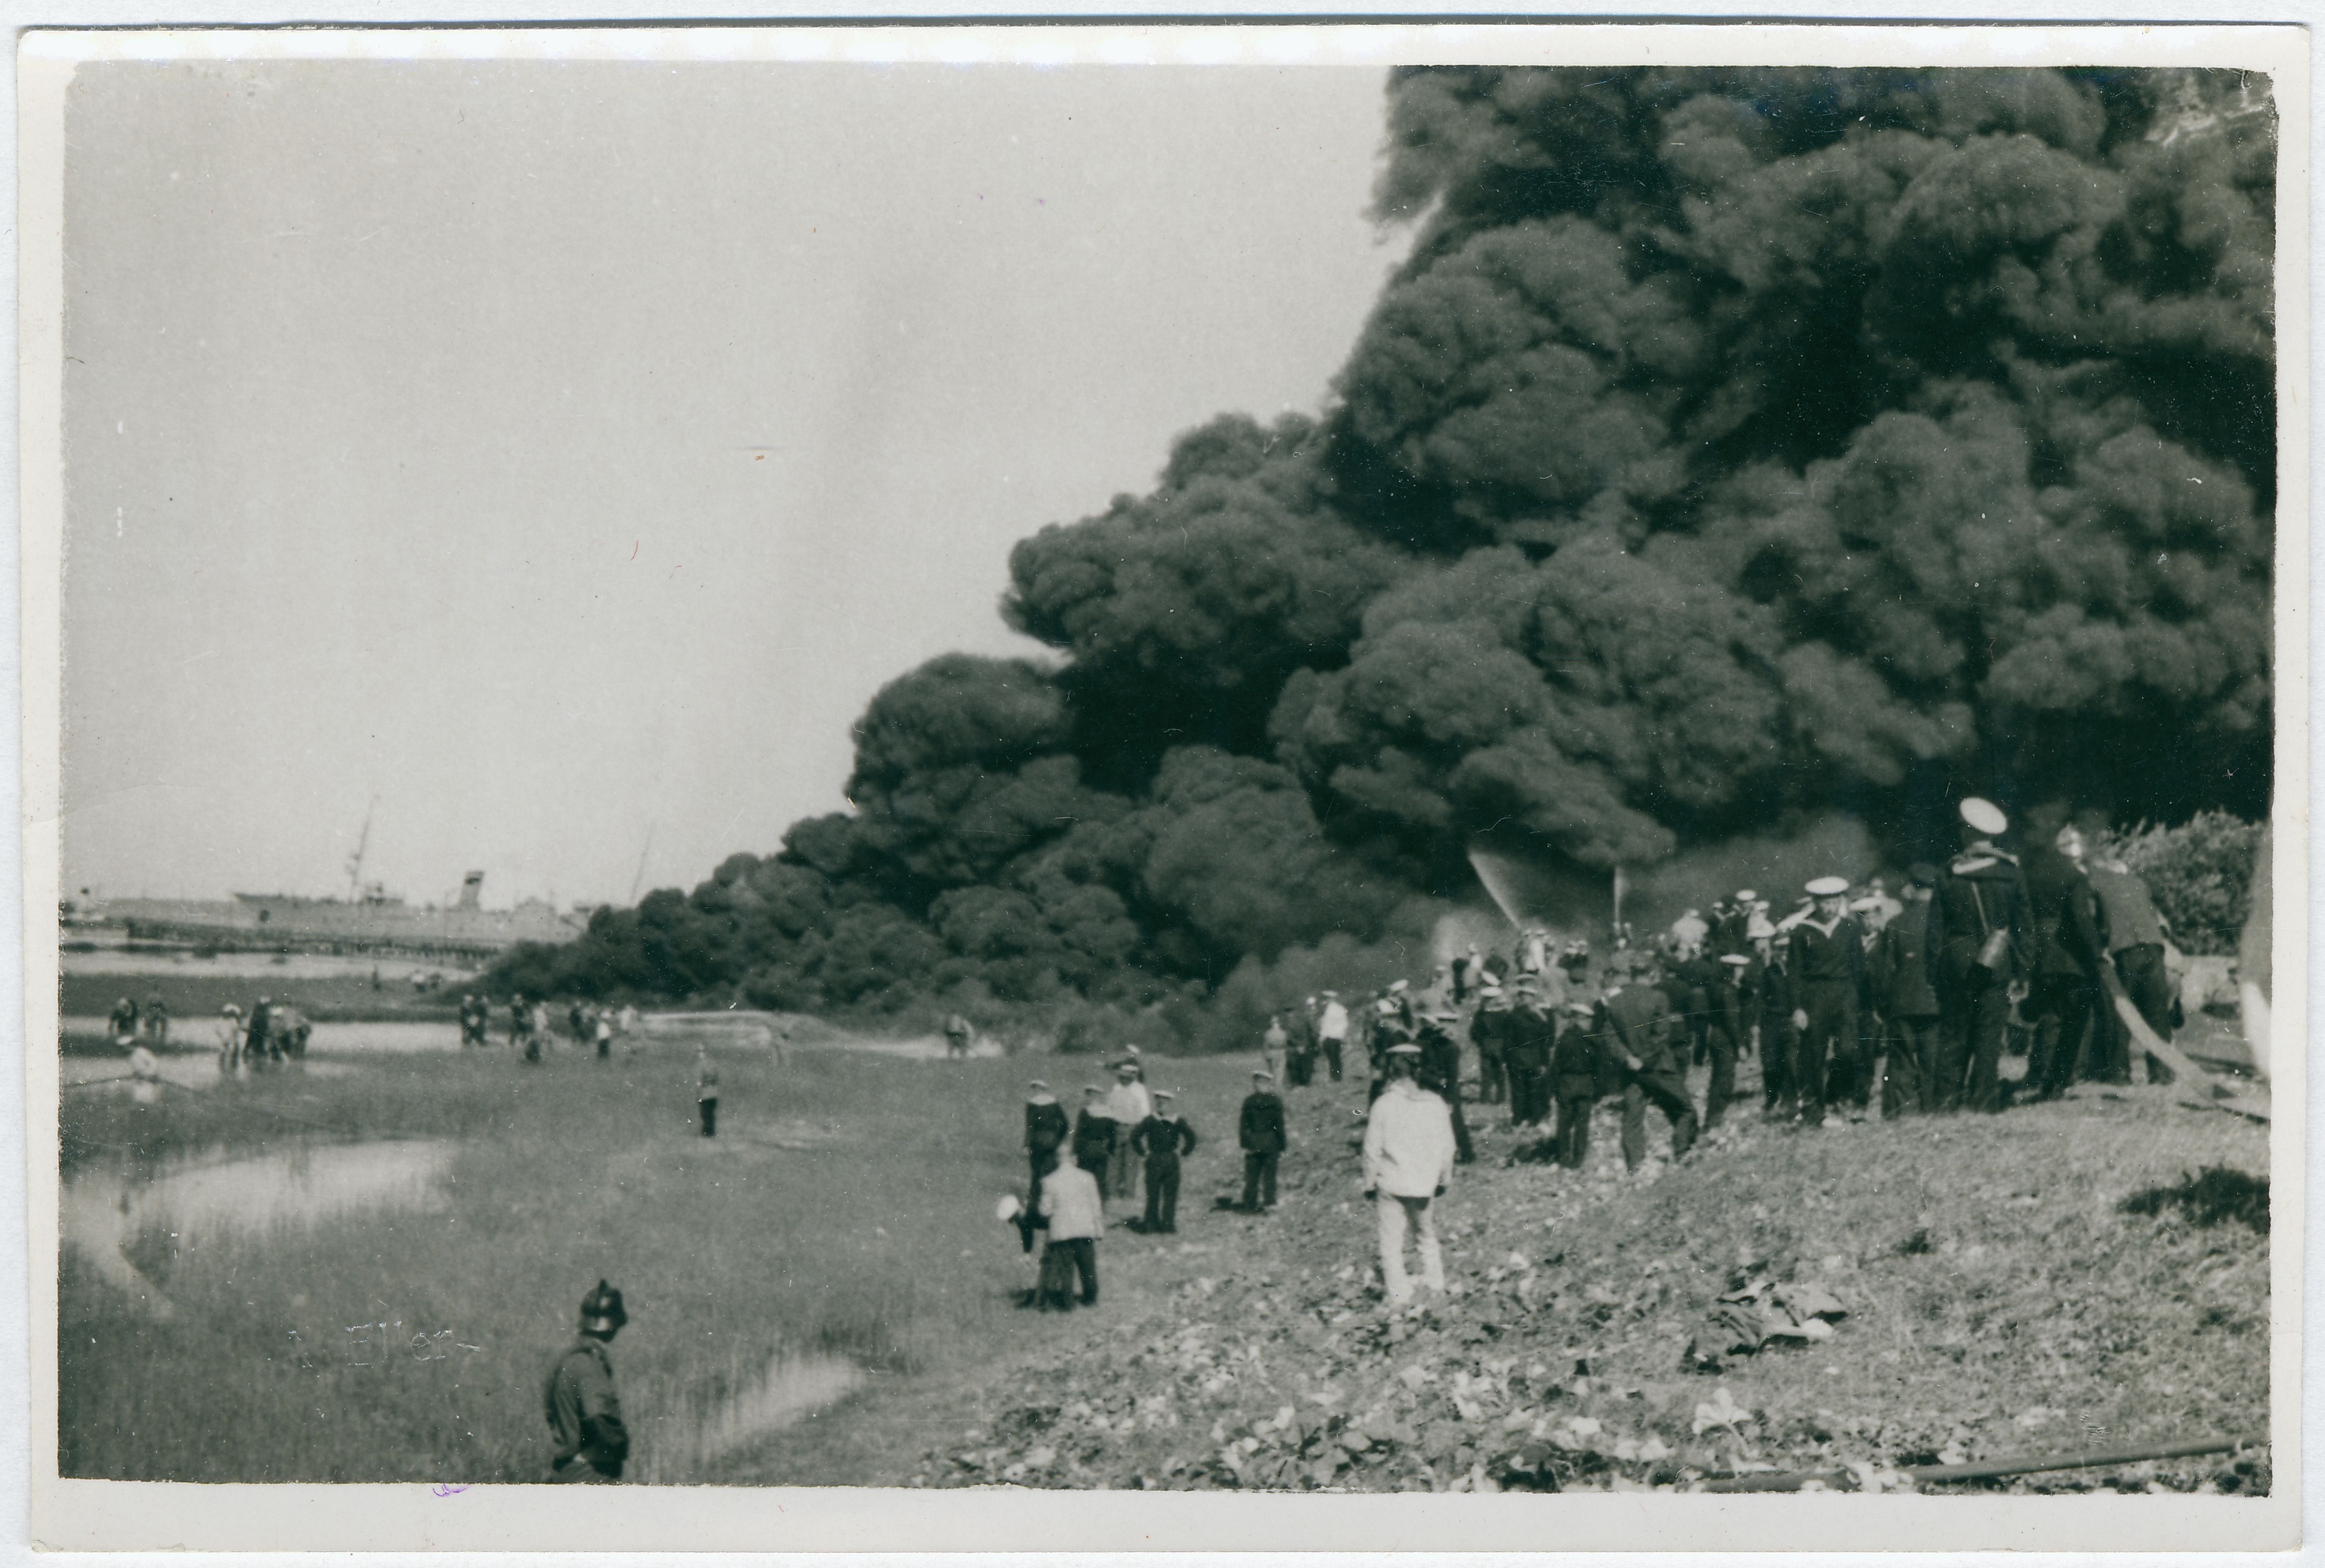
(1734, 448)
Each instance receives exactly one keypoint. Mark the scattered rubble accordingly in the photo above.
(1262, 1356)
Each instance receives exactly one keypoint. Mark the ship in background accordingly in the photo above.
(371, 922)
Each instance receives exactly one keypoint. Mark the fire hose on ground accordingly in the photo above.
(1983, 1470)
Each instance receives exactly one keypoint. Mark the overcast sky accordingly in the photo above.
(566, 452)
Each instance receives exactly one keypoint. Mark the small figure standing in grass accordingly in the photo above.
(1162, 1138)
(584, 1412)
(1072, 1212)
(1579, 1072)
(1261, 1131)
(958, 1035)
(1332, 1032)
(1095, 1136)
(1128, 1105)
(1635, 1025)
(604, 1027)
(706, 1090)
(258, 1043)
(1273, 1043)
(1527, 1030)
(229, 1038)
(1045, 1133)
(1439, 1070)
(1300, 1059)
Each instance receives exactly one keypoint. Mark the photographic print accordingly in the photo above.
(1333, 764)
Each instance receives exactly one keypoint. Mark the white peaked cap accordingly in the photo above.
(1984, 815)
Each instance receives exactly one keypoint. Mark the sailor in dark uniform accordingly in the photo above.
(1985, 949)
(1162, 1138)
(1828, 978)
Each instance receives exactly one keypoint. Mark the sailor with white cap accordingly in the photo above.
(1046, 1131)
(1581, 1069)
(1772, 981)
(1902, 962)
(1440, 1072)
(1828, 975)
(1260, 1129)
(1731, 931)
(1162, 1138)
(1526, 1033)
(1489, 1030)
(1983, 949)
(1727, 1027)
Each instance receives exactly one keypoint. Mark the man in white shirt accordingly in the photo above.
(1408, 1164)
(1126, 1106)
(1332, 1032)
(1073, 1213)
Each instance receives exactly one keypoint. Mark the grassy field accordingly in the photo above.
(2016, 1284)
(846, 1209)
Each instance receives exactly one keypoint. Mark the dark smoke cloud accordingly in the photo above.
(1735, 448)
(1185, 612)
(1865, 428)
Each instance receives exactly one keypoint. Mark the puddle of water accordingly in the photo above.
(927, 1048)
(689, 1433)
(792, 1388)
(333, 1039)
(206, 1203)
(734, 1030)
(101, 1074)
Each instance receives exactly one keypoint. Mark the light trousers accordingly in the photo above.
(1396, 1216)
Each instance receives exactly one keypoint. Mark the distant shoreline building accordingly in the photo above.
(376, 922)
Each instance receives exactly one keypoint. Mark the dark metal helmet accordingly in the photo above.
(601, 1309)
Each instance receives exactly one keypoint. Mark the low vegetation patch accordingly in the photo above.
(2214, 1196)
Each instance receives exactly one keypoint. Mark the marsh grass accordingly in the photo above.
(833, 1218)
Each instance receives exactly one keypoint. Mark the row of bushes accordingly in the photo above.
(2199, 872)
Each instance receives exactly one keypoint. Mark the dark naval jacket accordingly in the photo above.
(1981, 891)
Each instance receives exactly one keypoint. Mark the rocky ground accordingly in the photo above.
(1851, 1302)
